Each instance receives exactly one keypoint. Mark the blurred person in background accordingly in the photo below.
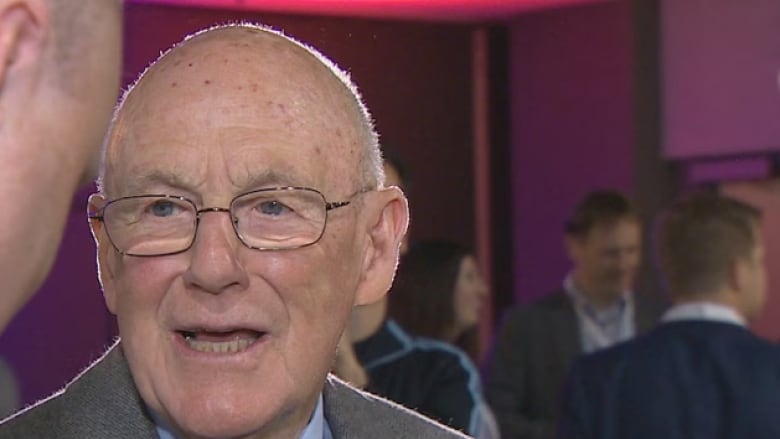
(438, 294)
(595, 307)
(423, 374)
(59, 78)
(436, 276)
(701, 374)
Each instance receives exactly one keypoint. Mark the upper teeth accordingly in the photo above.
(231, 346)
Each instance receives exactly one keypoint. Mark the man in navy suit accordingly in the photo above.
(701, 373)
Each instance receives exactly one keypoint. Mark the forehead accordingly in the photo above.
(622, 231)
(241, 106)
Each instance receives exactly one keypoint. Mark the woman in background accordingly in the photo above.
(438, 294)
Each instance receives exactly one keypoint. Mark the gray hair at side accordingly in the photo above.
(371, 172)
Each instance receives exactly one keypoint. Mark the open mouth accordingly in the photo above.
(221, 342)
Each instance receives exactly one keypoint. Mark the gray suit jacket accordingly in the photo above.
(531, 357)
(102, 402)
(9, 390)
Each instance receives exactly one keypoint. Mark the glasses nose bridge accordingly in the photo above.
(200, 212)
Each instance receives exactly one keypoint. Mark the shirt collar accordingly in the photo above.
(703, 311)
(317, 428)
(581, 300)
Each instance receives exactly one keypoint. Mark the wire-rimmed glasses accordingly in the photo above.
(266, 219)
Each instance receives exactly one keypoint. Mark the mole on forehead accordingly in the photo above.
(231, 66)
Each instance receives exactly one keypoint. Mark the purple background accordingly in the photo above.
(584, 87)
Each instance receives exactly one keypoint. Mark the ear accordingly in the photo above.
(740, 274)
(105, 250)
(24, 26)
(387, 221)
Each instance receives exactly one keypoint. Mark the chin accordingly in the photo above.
(215, 420)
(226, 409)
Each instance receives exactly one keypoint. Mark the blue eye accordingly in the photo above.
(274, 208)
(162, 208)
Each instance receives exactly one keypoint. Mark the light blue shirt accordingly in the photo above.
(601, 328)
(710, 311)
(317, 428)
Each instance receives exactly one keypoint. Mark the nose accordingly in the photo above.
(628, 260)
(214, 264)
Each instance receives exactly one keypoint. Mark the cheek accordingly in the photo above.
(142, 285)
(463, 299)
(317, 291)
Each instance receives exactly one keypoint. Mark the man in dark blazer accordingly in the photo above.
(595, 308)
(701, 373)
(241, 215)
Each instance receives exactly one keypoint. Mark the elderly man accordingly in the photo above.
(58, 85)
(241, 217)
(701, 373)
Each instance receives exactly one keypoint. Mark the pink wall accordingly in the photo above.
(572, 128)
(720, 62)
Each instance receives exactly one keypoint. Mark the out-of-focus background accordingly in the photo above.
(505, 113)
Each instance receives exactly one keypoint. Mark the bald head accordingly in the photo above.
(235, 133)
(249, 69)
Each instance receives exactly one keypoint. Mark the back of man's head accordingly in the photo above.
(701, 238)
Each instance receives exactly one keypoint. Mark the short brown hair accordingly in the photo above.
(599, 207)
(701, 237)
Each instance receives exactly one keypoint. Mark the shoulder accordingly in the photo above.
(429, 352)
(101, 402)
(354, 413)
(443, 351)
(432, 364)
(37, 421)
(682, 341)
(653, 304)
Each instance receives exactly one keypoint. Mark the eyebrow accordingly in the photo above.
(270, 178)
(265, 179)
(140, 184)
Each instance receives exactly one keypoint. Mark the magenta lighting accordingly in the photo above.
(433, 10)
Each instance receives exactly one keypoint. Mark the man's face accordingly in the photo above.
(211, 123)
(607, 258)
(469, 295)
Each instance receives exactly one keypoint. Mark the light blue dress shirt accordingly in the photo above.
(601, 328)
